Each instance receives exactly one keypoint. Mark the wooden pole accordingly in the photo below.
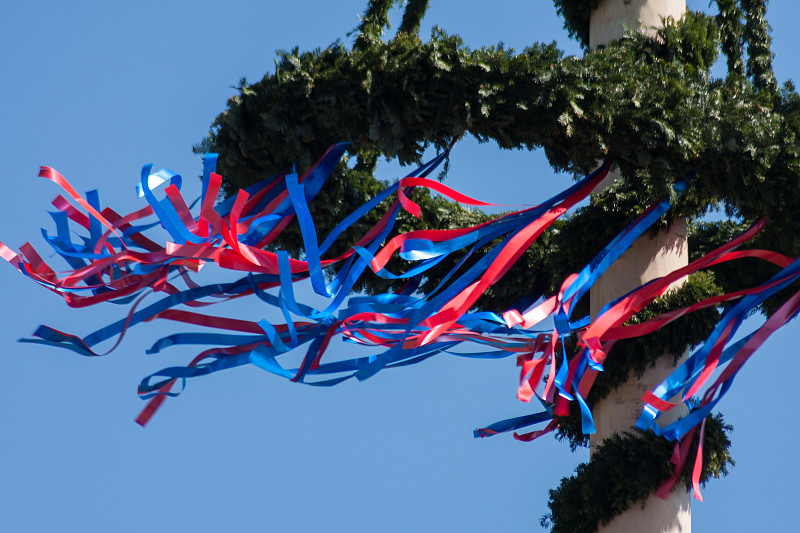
(647, 259)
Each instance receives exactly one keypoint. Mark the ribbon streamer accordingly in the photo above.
(114, 261)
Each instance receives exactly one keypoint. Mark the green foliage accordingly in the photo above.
(693, 41)
(374, 20)
(624, 471)
(740, 274)
(756, 35)
(576, 15)
(648, 103)
(729, 20)
(412, 17)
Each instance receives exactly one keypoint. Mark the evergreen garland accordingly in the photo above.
(729, 21)
(624, 471)
(756, 35)
(376, 18)
(650, 104)
(576, 15)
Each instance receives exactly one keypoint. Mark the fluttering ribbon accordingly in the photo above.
(114, 261)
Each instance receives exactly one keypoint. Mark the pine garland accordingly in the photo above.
(649, 104)
(624, 471)
(576, 15)
(729, 20)
(756, 35)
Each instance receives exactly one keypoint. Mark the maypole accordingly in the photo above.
(648, 258)
(438, 275)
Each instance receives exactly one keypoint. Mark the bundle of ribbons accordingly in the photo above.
(114, 261)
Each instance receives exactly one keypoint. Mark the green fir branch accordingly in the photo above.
(624, 471)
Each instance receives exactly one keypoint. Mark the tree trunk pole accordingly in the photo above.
(647, 259)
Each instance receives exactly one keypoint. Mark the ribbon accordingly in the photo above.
(114, 261)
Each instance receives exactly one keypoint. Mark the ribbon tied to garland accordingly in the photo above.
(116, 262)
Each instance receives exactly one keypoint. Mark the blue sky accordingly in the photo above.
(96, 90)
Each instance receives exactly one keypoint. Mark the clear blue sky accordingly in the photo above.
(96, 90)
